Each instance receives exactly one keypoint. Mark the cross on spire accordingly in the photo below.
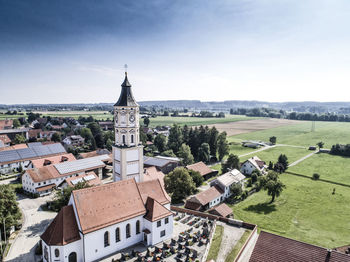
(126, 69)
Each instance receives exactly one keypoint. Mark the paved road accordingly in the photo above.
(8, 181)
(35, 222)
(256, 151)
(302, 159)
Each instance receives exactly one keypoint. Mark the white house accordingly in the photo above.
(101, 220)
(42, 180)
(225, 181)
(253, 163)
(74, 140)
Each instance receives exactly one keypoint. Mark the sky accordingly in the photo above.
(63, 51)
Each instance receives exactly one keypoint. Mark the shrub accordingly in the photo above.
(315, 176)
(38, 249)
(244, 194)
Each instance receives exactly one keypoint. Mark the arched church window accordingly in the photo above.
(72, 257)
(57, 252)
(123, 139)
(128, 231)
(117, 234)
(138, 230)
(132, 138)
(106, 239)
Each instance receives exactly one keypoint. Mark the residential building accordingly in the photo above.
(165, 165)
(253, 163)
(106, 125)
(205, 171)
(73, 141)
(90, 178)
(4, 141)
(40, 134)
(222, 210)
(11, 133)
(6, 124)
(46, 161)
(42, 180)
(13, 159)
(97, 152)
(225, 181)
(205, 199)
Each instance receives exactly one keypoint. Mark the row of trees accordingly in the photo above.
(192, 144)
(274, 113)
(340, 150)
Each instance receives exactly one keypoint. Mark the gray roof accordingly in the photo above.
(32, 152)
(78, 165)
(126, 98)
(9, 131)
(152, 161)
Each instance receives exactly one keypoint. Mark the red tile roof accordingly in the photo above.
(221, 210)
(273, 248)
(101, 206)
(155, 210)
(37, 163)
(43, 173)
(93, 182)
(200, 167)
(5, 139)
(6, 124)
(47, 187)
(153, 189)
(206, 196)
(152, 173)
(63, 229)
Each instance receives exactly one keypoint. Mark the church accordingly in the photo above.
(99, 221)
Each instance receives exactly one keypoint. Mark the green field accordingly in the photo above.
(300, 134)
(272, 154)
(329, 167)
(195, 121)
(306, 211)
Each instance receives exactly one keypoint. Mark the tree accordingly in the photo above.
(320, 144)
(274, 188)
(282, 160)
(160, 142)
(62, 197)
(146, 121)
(223, 148)
(175, 138)
(89, 138)
(143, 137)
(16, 123)
(232, 162)
(56, 137)
(109, 144)
(9, 210)
(185, 155)
(185, 134)
(204, 153)
(19, 139)
(193, 141)
(179, 184)
(196, 177)
(168, 153)
(236, 190)
(213, 140)
(270, 165)
(273, 140)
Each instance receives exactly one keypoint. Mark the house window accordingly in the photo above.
(128, 231)
(162, 233)
(106, 239)
(117, 235)
(159, 223)
(166, 220)
(138, 227)
(57, 252)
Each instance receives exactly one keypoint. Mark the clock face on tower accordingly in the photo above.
(132, 118)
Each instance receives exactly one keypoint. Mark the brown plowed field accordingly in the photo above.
(241, 127)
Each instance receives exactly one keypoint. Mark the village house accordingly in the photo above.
(11, 160)
(11, 133)
(222, 210)
(73, 141)
(205, 171)
(106, 125)
(42, 180)
(225, 181)
(6, 124)
(164, 164)
(253, 163)
(46, 161)
(40, 134)
(4, 141)
(89, 177)
(205, 199)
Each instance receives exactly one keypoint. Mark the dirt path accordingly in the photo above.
(302, 159)
(230, 237)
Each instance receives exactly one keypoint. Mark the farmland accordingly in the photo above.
(306, 210)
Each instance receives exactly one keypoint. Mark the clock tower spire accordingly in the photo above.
(127, 150)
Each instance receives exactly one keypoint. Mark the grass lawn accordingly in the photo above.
(272, 154)
(234, 252)
(195, 121)
(306, 211)
(216, 243)
(329, 167)
(300, 134)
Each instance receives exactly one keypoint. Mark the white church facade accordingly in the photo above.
(99, 221)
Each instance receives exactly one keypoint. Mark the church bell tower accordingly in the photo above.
(127, 150)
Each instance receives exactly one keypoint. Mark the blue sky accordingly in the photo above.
(74, 51)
